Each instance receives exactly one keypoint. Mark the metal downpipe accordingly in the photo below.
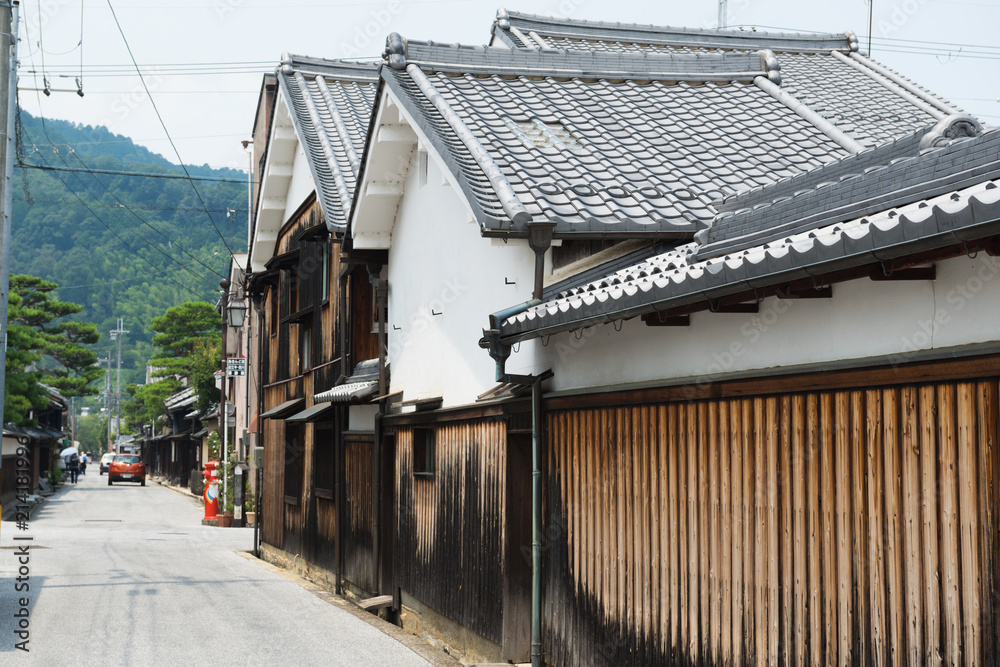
(537, 659)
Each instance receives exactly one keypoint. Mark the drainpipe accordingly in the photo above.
(539, 240)
(500, 352)
(537, 659)
(338, 494)
(381, 294)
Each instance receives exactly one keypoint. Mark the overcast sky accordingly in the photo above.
(203, 59)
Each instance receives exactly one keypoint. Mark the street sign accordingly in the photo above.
(236, 367)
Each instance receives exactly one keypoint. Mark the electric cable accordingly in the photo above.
(165, 131)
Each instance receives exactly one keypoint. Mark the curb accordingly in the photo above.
(432, 655)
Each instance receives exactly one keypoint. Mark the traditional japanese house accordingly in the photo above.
(512, 175)
(317, 497)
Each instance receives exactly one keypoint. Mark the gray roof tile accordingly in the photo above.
(861, 184)
(628, 148)
(674, 278)
(867, 105)
(330, 103)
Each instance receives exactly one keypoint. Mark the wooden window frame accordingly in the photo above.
(424, 446)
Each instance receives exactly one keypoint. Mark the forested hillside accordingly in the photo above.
(121, 246)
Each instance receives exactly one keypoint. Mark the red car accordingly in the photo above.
(127, 468)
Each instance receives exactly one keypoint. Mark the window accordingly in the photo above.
(293, 290)
(421, 168)
(423, 451)
(305, 345)
(274, 310)
(295, 454)
(325, 446)
(325, 279)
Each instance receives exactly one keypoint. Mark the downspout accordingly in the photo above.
(537, 656)
(540, 240)
(339, 495)
(260, 424)
(381, 293)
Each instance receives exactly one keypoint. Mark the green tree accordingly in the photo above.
(42, 351)
(145, 403)
(183, 334)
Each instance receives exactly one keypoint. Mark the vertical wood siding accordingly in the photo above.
(449, 526)
(848, 527)
(359, 512)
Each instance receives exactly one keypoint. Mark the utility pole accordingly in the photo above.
(723, 14)
(107, 398)
(118, 335)
(8, 84)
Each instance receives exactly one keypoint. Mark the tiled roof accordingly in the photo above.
(867, 101)
(330, 103)
(675, 279)
(604, 145)
(862, 184)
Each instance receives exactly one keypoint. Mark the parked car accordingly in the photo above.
(106, 462)
(127, 468)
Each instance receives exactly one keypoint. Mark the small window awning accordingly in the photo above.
(316, 413)
(345, 393)
(283, 261)
(285, 409)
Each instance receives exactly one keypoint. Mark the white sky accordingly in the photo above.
(210, 112)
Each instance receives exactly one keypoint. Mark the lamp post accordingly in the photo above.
(234, 316)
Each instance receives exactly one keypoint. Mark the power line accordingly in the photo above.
(165, 131)
(99, 204)
(123, 241)
(112, 172)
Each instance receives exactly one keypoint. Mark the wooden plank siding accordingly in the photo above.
(449, 540)
(303, 523)
(359, 510)
(857, 526)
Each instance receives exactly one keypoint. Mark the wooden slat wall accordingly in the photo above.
(449, 527)
(272, 496)
(848, 527)
(358, 513)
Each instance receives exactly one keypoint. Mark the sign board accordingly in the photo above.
(236, 367)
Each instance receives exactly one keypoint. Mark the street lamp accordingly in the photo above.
(236, 311)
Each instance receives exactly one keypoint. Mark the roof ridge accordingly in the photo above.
(335, 68)
(952, 127)
(804, 111)
(936, 169)
(326, 146)
(465, 59)
(905, 84)
(706, 37)
(395, 56)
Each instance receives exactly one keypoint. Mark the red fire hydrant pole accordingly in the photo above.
(211, 493)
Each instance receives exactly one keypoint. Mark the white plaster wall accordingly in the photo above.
(439, 261)
(301, 184)
(361, 417)
(863, 319)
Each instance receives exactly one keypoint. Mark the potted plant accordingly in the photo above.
(250, 507)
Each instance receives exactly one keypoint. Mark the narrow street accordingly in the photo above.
(127, 575)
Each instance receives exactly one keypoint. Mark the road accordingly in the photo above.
(127, 575)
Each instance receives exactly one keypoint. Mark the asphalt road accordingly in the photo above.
(127, 575)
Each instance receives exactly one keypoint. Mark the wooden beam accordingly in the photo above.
(916, 273)
(376, 603)
(752, 307)
(825, 292)
(656, 320)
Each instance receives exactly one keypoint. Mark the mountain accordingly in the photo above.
(120, 245)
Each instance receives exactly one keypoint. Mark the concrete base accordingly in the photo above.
(443, 633)
(210, 522)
